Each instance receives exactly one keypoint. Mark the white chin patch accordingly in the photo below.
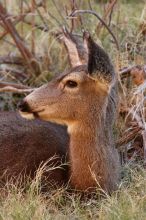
(27, 115)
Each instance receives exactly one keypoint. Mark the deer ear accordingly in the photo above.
(75, 48)
(99, 64)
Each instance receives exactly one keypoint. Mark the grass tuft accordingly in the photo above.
(128, 202)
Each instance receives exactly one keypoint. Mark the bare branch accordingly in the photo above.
(125, 72)
(136, 117)
(17, 20)
(10, 59)
(14, 90)
(30, 59)
(99, 18)
(13, 87)
(107, 12)
(39, 13)
(14, 71)
(126, 138)
(38, 26)
(22, 17)
(90, 5)
(111, 11)
(59, 12)
(137, 71)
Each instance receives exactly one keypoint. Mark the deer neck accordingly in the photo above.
(87, 152)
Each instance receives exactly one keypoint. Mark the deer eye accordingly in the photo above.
(71, 84)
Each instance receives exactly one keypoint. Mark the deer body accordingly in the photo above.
(84, 99)
(26, 144)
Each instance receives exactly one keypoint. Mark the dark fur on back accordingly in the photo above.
(25, 144)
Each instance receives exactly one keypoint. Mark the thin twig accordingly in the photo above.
(11, 29)
(99, 18)
(21, 12)
(111, 12)
(38, 26)
(14, 71)
(127, 137)
(136, 117)
(40, 15)
(10, 59)
(27, 55)
(59, 12)
(90, 5)
(13, 87)
(17, 20)
(73, 7)
(54, 18)
(125, 72)
(107, 12)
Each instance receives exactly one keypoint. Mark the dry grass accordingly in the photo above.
(128, 202)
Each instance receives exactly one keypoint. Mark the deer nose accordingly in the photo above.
(23, 106)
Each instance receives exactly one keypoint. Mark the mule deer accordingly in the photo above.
(83, 99)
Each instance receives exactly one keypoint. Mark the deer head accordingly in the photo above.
(71, 95)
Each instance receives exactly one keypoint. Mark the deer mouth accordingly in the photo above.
(30, 115)
(27, 115)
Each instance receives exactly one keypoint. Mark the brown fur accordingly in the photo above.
(92, 155)
(87, 107)
(25, 145)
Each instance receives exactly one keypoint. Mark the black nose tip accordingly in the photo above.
(23, 106)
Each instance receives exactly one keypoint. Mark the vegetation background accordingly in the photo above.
(30, 55)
